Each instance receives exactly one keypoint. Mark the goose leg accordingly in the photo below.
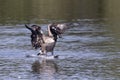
(52, 53)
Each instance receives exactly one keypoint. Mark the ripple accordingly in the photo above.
(86, 52)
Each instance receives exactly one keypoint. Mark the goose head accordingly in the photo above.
(55, 31)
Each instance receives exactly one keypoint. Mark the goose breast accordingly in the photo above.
(48, 39)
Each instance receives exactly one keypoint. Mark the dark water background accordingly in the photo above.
(89, 50)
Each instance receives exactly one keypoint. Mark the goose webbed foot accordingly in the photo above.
(56, 56)
(41, 53)
(38, 54)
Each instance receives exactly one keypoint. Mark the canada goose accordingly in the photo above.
(46, 43)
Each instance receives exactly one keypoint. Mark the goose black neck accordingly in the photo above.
(55, 37)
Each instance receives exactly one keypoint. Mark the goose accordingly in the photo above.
(46, 43)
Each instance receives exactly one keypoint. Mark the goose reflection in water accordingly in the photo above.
(46, 69)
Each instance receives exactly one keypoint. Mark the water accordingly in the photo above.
(89, 50)
(34, 11)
